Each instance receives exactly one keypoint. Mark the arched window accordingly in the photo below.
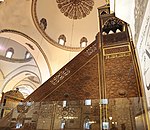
(64, 103)
(9, 52)
(27, 55)
(83, 42)
(62, 39)
(43, 23)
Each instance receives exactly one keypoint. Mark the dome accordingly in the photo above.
(73, 19)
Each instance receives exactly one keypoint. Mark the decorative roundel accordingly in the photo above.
(75, 9)
(122, 92)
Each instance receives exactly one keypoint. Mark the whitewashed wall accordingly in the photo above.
(124, 9)
(143, 50)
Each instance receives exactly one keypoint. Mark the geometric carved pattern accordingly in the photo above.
(82, 85)
(75, 9)
(120, 78)
(113, 24)
(117, 38)
(46, 110)
(68, 78)
(63, 112)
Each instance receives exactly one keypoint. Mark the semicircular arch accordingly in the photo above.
(33, 47)
(14, 78)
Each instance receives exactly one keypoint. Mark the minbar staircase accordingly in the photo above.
(71, 79)
(76, 81)
(99, 89)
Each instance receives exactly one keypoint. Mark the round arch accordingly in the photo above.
(33, 47)
(18, 75)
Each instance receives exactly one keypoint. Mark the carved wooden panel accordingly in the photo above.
(120, 77)
(84, 84)
(64, 73)
(115, 38)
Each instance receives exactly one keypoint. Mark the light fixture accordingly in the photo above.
(113, 122)
(88, 102)
(62, 39)
(104, 101)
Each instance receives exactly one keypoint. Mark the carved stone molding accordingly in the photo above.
(15, 60)
(139, 11)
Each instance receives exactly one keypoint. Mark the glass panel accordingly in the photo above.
(75, 115)
(121, 114)
(124, 114)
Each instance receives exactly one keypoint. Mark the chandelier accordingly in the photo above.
(75, 9)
